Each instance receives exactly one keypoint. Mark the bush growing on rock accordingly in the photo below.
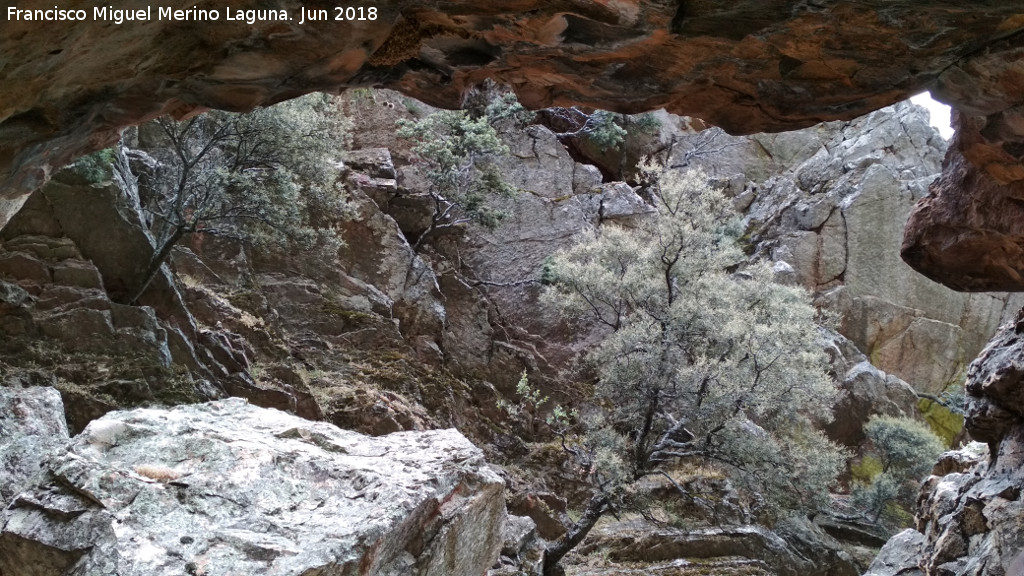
(95, 167)
(906, 450)
(699, 364)
(268, 177)
(452, 146)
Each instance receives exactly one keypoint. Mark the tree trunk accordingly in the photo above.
(156, 262)
(554, 553)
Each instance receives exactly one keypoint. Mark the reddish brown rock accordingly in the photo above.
(968, 233)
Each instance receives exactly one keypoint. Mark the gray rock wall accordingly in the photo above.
(970, 518)
(832, 201)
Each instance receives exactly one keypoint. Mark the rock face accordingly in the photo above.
(55, 315)
(749, 66)
(967, 234)
(487, 278)
(226, 487)
(970, 519)
(831, 202)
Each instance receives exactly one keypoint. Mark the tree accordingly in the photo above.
(598, 127)
(451, 147)
(266, 177)
(905, 450)
(699, 364)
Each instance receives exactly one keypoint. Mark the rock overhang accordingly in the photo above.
(70, 87)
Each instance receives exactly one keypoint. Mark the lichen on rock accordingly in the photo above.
(228, 487)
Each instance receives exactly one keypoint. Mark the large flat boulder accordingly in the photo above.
(230, 488)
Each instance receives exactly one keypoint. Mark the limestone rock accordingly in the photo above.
(967, 233)
(899, 556)
(755, 544)
(228, 487)
(374, 162)
(585, 179)
(620, 202)
(831, 201)
(519, 531)
(31, 425)
(542, 217)
(994, 400)
(121, 247)
(378, 256)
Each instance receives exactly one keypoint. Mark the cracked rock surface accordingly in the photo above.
(227, 487)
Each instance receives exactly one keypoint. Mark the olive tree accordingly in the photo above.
(266, 177)
(699, 363)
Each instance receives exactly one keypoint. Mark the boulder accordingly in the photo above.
(863, 390)
(547, 511)
(519, 532)
(31, 426)
(374, 162)
(620, 202)
(227, 487)
(899, 556)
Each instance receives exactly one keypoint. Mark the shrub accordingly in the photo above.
(452, 147)
(699, 364)
(906, 450)
(267, 177)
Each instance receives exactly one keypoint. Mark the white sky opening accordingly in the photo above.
(939, 113)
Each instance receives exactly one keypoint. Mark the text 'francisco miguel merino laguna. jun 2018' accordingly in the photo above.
(165, 13)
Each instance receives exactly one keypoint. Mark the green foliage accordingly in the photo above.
(498, 104)
(96, 167)
(602, 129)
(699, 364)
(645, 123)
(527, 409)
(452, 148)
(548, 276)
(412, 107)
(906, 450)
(866, 469)
(607, 133)
(903, 444)
(506, 107)
(267, 176)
